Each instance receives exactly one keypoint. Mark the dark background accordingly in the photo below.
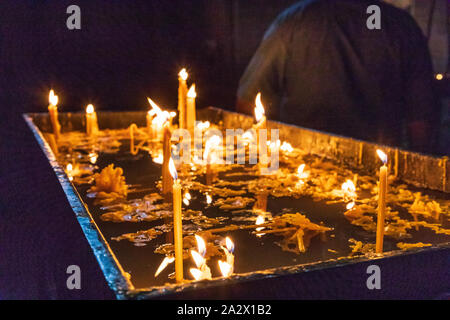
(124, 52)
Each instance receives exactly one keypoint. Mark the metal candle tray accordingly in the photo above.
(419, 272)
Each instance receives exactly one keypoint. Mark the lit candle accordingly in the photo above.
(259, 113)
(167, 157)
(91, 120)
(53, 112)
(159, 120)
(261, 124)
(382, 192)
(202, 271)
(229, 255)
(177, 223)
(182, 93)
(190, 109)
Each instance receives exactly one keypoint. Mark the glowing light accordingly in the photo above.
(197, 274)
(203, 125)
(201, 246)
(211, 144)
(247, 137)
(159, 159)
(230, 245)
(183, 74)
(350, 205)
(172, 169)
(52, 98)
(186, 198)
(439, 76)
(301, 172)
(225, 268)
(383, 156)
(90, 109)
(348, 186)
(273, 145)
(160, 116)
(164, 264)
(208, 199)
(259, 220)
(191, 93)
(93, 157)
(198, 258)
(286, 147)
(259, 109)
(69, 169)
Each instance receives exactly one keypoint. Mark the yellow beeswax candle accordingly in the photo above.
(190, 110)
(177, 223)
(382, 192)
(53, 113)
(182, 96)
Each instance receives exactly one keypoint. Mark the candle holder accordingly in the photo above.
(260, 271)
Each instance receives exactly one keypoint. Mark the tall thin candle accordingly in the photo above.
(177, 223)
(182, 96)
(166, 176)
(190, 109)
(382, 192)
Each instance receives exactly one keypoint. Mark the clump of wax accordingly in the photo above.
(110, 182)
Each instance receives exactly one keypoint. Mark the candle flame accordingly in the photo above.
(286, 147)
(225, 268)
(349, 186)
(69, 169)
(197, 274)
(159, 159)
(172, 169)
(155, 108)
(300, 169)
(201, 246)
(301, 172)
(383, 156)
(211, 144)
(192, 93)
(164, 264)
(259, 220)
(93, 157)
(186, 198)
(230, 245)
(208, 199)
(259, 109)
(52, 98)
(160, 116)
(90, 109)
(350, 205)
(183, 74)
(198, 259)
(203, 125)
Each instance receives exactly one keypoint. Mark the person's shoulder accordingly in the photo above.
(288, 15)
